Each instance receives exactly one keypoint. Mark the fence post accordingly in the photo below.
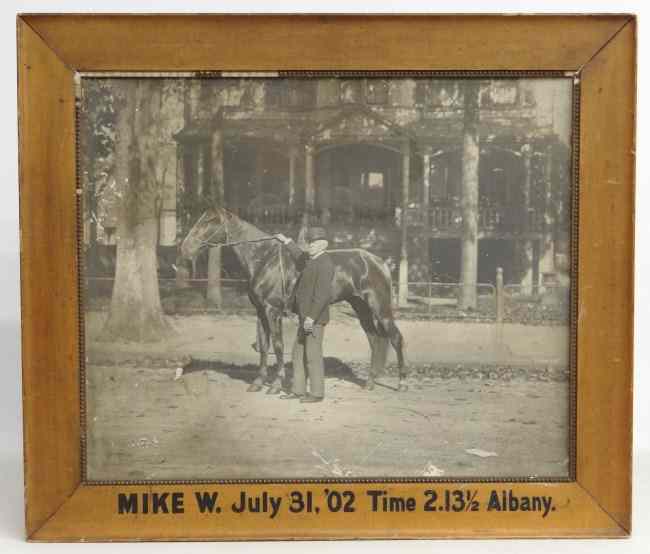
(499, 295)
(213, 293)
(182, 275)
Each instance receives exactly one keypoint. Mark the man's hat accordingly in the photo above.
(316, 233)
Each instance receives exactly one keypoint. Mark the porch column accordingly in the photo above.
(216, 167)
(192, 95)
(293, 154)
(310, 185)
(213, 296)
(324, 186)
(200, 181)
(527, 244)
(182, 273)
(403, 259)
(426, 187)
(217, 192)
(547, 244)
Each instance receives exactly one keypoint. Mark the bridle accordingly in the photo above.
(226, 213)
(224, 225)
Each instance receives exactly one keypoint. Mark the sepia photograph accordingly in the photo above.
(328, 277)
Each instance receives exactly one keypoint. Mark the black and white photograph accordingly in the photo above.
(326, 277)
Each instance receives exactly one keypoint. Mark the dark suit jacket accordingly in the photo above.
(312, 293)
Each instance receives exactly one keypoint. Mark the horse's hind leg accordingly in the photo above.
(263, 347)
(378, 344)
(397, 341)
(275, 325)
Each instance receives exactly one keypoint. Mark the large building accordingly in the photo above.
(379, 162)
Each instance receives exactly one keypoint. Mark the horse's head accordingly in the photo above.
(209, 230)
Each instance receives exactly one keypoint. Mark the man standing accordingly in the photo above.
(310, 300)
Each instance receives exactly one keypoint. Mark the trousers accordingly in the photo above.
(307, 359)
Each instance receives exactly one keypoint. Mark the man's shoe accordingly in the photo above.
(309, 398)
(292, 396)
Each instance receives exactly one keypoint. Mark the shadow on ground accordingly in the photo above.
(334, 368)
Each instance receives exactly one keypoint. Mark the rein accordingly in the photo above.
(235, 243)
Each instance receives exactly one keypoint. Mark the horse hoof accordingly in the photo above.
(403, 387)
(254, 388)
(274, 390)
(370, 386)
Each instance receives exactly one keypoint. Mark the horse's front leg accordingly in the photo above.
(275, 327)
(263, 348)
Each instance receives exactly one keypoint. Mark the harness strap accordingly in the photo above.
(283, 279)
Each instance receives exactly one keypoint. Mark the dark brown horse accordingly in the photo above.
(361, 278)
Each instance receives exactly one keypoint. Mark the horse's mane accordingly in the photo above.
(245, 230)
(254, 254)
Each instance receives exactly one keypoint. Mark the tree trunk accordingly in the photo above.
(469, 198)
(136, 311)
(88, 148)
(528, 283)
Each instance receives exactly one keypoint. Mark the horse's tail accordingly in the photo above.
(380, 300)
(389, 333)
(380, 285)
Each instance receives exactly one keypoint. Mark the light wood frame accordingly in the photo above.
(598, 51)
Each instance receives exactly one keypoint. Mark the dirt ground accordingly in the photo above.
(465, 419)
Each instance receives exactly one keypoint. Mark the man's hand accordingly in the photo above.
(308, 325)
(282, 238)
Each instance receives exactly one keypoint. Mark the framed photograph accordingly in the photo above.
(326, 276)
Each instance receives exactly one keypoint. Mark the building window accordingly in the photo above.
(373, 199)
(283, 93)
(301, 94)
(377, 91)
(351, 91)
(501, 93)
(438, 94)
(439, 181)
(446, 94)
(328, 92)
(274, 93)
(497, 190)
(422, 93)
(445, 178)
(375, 181)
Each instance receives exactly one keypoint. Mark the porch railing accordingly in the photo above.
(490, 218)
(440, 217)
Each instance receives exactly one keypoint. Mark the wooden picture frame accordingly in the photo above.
(599, 52)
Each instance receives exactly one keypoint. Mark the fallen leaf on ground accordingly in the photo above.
(480, 453)
(432, 471)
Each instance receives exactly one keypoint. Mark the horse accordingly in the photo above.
(361, 279)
